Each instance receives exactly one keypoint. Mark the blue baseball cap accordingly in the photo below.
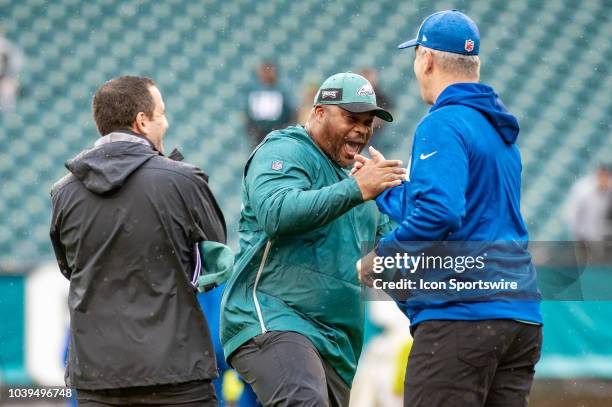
(450, 31)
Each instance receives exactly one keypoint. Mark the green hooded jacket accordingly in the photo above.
(301, 229)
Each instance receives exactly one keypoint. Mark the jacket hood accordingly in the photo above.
(105, 168)
(484, 99)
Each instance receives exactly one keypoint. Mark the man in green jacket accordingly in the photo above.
(292, 319)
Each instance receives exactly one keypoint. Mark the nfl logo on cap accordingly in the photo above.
(277, 165)
(469, 45)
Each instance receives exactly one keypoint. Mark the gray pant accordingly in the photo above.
(285, 369)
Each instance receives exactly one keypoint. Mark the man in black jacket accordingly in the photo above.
(126, 224)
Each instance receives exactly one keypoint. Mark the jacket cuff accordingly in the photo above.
(353, 191)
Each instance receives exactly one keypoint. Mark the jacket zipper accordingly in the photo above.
(259, 271)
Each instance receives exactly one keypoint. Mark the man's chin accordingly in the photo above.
(346, 162)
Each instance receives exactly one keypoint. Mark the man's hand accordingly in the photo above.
(375, 175)
(359, 161)
(365, 269)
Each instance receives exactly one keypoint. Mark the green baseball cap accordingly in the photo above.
(351, 92)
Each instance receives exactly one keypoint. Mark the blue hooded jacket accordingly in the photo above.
(464, 185)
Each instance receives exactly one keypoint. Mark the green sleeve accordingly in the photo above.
(279, 188)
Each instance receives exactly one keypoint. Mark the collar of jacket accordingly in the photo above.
(124, 135)
(131, 137)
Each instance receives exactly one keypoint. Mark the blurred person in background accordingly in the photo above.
(308, 95)
(230, 388)
(11, 64)
(268, 106)
(463, 185)
(126, 223)
(379, 381)
(588, 206)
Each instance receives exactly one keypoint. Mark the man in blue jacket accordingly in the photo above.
(464, 186)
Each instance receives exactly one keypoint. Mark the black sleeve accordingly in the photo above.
(208, 220)
(58, 248)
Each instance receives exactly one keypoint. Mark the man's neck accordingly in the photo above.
(135, 133)
(308, 130)
(445, 82)
(130, 131)
(312, 133)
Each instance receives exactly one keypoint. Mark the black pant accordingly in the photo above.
(200, 393)
(285, 369)
(472, 363)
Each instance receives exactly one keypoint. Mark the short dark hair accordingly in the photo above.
(117, 103)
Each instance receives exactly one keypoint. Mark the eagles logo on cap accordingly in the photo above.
(365, 90)
(330, 94)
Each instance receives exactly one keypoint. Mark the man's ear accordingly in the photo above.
(319, 112)
(428, 62)
(140, 124)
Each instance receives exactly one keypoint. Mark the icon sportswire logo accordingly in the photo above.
(426, 156)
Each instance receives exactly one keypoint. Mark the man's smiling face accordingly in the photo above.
(345, 133)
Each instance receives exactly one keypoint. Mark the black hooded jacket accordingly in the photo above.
(125, 224)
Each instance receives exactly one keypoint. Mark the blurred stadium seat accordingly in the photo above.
(543, 58)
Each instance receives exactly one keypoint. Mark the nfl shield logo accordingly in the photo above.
(469, 45)
(277, 165)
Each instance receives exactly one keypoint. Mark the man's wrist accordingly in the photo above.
(355, 191)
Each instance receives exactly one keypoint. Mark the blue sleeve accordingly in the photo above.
(392, 202)
(437, 186)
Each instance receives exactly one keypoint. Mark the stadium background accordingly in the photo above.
(549, 60)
